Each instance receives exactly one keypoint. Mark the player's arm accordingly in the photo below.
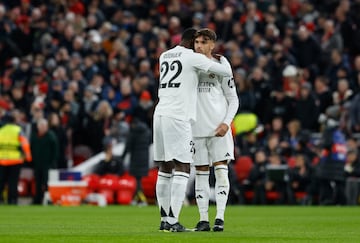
(229, 90)
(218, 69)
(201, 62)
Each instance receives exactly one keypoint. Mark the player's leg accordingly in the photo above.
(163, 191)
(222, 152)
(202, 186)
(222, 188)
(163, 182)
(178, 193)
(179, 148)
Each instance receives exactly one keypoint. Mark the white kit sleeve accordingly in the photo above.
(232, 99)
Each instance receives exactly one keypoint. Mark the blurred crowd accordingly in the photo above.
(91, 66)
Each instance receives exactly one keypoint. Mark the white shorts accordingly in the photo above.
(213, 149)
(172, 140)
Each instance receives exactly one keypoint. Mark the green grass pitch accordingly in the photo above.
(140, 224)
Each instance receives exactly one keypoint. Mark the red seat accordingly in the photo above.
(272, 195)
(249, 195)
(148, 183)
(109, 181)
(242, 167)
(126, 189)
(93, 181)
(300, 195)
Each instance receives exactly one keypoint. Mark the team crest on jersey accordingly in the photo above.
(211, 75)
(231, 83)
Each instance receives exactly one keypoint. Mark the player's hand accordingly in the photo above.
(221, 130)
(217, 56)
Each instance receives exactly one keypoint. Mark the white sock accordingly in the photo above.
(163, 187)
(222, 187)
(178, 193)
(202, 193)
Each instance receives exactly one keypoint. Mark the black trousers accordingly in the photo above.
(41, 184)
(332, 192)
(9, 175)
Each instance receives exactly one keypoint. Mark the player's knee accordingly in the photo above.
(166, 167)
(183, 167)
(224, 162)
(221, 174)
(202, 168)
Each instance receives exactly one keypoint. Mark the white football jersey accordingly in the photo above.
(178, 83)
(217, 103)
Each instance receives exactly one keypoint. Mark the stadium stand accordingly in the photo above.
(94, 64)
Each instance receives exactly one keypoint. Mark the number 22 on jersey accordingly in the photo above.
(169, 73)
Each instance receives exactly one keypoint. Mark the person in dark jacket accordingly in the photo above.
(137, 145)
(257, 177)
(111, 164)
(307, 49)
(354, 113)
(56, 127)
(331, 167)
(306, 109)
(352, 175)
(44, 149)
(300, 177)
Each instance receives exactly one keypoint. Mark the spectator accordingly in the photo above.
(341, 101)
(352, 175)
(257, 177)
(56, 127)
(331, 166)
(137, 145)
(354, 114)
(322, 93)
(87, 107)
(306, 109)
(98, 126)
(355, 74)
(246, 96)
(307, 49)
(111, 164)
(294, 132)
(119, 128)
(262, 89)
(273, 145)
(277, 128)
(300, 178)
(145, 108)
(337, 69)
(330, 40)
(45, 151)
(280, 105)
(251, 19)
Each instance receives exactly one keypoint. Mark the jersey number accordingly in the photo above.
(176, 67)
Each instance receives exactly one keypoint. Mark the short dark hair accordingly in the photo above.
(187, 38)
(206, 33)
(188, 34)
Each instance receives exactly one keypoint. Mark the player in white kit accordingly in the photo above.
(174, 113)
(214, 145)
